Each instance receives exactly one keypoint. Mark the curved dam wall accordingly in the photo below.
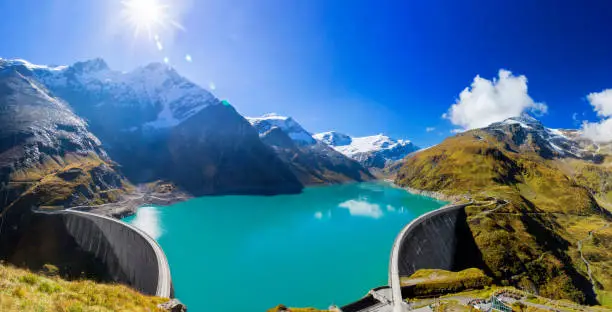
(440, 239)
(87, 245)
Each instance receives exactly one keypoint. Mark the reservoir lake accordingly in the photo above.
(327, 245)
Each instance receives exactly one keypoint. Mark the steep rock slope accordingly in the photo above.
(160, 126)
(48, 160)
(377, 151)
(311, 161)
(534, 205)
(48, 157)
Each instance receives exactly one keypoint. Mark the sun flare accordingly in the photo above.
(147, 15)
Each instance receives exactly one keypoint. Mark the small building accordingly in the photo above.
(498, 305)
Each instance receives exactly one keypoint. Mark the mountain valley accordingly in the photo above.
(313, 162)
(85, 135)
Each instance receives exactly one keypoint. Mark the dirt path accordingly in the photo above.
(500, 204)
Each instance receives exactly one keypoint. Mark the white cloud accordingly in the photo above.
(430, 129)
(188, 58)
(602, 104)
(488, 101)
(598, 131)
(212, 86)
(362, 208)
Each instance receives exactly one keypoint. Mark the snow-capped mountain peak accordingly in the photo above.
(526, 121)
(28, 65)
(371, 151)
(333, 138)
(293, 129)
(370, 144)
(156, 95)
(93, 65)
(550, 141)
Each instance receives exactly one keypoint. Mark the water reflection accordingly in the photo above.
(362, 208)
(313, 243)
(147, 219)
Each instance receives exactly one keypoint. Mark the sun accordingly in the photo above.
(147, 15)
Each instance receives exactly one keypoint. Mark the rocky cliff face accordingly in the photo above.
(311, 161)
(229, 157)
(160, 126)
(48, 157)
(527, 134)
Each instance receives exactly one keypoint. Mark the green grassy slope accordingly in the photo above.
(72, 180)
(531, 242)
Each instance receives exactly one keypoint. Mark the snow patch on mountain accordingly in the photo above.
(293, 129)
(155, 86)
(552, 139)
(30, 66)
(371, 151)
(333, 138)
(368, 144)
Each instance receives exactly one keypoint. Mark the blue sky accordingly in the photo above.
(359, 67)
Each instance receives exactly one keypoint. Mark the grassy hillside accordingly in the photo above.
(437, 281)
(21, 290)
(431, 282)
(72, 180)
(533, 241)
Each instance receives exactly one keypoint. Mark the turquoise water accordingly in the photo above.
(328, 245)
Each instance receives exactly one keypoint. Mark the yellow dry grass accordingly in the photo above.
(21, 290)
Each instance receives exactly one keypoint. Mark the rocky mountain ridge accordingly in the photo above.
(157, 125)
(313, 162)
(48, 156)
(376, 151)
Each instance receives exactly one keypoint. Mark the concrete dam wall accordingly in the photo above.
(87, 245)
(440, 239)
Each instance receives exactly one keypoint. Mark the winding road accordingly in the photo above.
(586, 262)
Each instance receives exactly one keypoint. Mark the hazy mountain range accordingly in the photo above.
(151, 124)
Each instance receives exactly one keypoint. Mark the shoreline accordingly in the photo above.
(451, 199)
(145, 196)
(130, 203)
